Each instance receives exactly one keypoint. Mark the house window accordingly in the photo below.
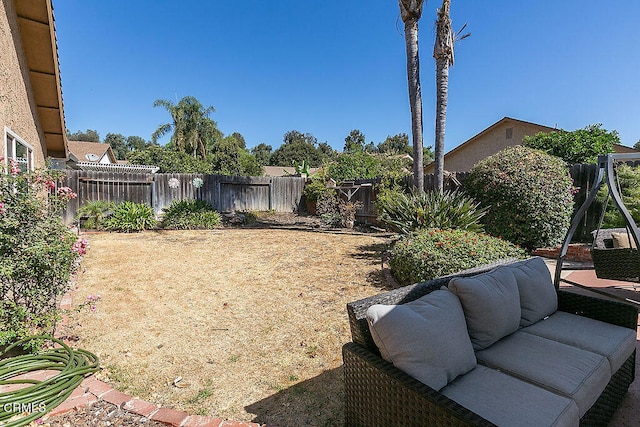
(509, 133)
(18, 150)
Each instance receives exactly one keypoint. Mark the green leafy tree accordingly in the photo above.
(327, 152)
(396, 144)
(240, 139)
(89, 136)
(137, 143)
(169, 161)
(579, 146)
(229, 157)
(355, 141)
(428, 154)
(249, 165)
(118, 144)
(193, 130)
(297, 147)
(637, 145)
(262, 153)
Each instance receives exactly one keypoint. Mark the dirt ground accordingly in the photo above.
(243, 324)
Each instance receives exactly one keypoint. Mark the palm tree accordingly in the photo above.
(443, 54)
(191, 125)
(410, 12)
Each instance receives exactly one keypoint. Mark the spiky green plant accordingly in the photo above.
(405, 213)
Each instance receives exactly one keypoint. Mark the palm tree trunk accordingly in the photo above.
(415, 100)
(442, 95)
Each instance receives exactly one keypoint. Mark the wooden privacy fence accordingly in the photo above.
(281, 194)
(225, 193)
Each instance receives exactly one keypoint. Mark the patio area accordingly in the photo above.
(628, 413)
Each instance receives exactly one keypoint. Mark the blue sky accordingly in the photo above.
(328, 66)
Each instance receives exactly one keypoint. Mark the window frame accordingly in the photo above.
(11, 141)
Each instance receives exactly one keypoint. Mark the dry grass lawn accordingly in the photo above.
(252, 320)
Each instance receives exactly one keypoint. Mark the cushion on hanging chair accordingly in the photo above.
(622, 240)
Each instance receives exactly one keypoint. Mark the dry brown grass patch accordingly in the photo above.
(252, 320)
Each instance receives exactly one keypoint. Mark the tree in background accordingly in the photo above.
(410, 12)
(169, 161)
(229, 157)
(89, 136)
(354, 142)
(137, 143)
(262, 153)
(118, 144)
(297, 147)
(579, 146)
(396, 144)
(637, 145)
(443, 54)
(193, 130)
(327, 153)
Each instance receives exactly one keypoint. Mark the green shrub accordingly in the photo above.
(529, 196)
(129, 217)
(432, 253)
(190, 215)
(579, 146)
(38, 253)
(315, 189)
(92, 215)
(404, 213)
(629, 181)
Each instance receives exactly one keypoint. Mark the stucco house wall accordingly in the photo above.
(17, 104)
(507, 132)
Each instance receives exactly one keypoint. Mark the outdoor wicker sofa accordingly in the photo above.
(380, 394)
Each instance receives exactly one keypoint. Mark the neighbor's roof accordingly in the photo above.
(496, 124)
(38, 35)
(284, 171)
(114, 167)
(82, 151)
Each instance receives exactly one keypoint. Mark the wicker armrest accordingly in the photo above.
(614, 312)
(378, 394)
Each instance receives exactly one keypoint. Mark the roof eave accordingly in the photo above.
(38, 34)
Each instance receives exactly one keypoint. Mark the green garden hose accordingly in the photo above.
(27, 404)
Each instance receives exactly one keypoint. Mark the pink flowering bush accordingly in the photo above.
(38, 253)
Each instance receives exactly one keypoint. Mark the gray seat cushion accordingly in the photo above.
(538, 297)
(563, 369)
(491, 304)
(507, 401)
(426, 338)
(613, 342)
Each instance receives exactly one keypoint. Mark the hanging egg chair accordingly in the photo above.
(615, 251)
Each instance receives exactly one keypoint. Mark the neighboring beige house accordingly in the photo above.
(506, 132)
(31, 108)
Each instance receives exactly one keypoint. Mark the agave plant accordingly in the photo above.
(404, 213)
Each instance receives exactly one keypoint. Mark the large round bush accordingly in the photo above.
(432, 253)
(529, 195)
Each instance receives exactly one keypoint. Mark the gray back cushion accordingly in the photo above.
(426, 338)
(491, 305)
(538, 297)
